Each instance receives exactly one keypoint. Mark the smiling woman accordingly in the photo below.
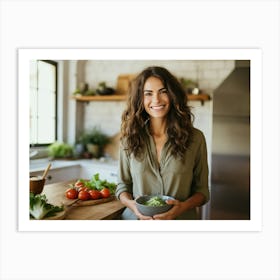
(157, 136)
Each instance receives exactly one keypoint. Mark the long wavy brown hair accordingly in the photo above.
(134, 118)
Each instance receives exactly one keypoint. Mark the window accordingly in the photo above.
(43, 102)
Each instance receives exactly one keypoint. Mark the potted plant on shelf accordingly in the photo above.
(103, 89)
(190, 86)
(60, 150)
(94, 141)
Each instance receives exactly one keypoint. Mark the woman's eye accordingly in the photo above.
(147, 93)
(164, 91)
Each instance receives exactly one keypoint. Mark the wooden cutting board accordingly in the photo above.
(59, 216)
(106, 208)
(93, 201)
(56, 195)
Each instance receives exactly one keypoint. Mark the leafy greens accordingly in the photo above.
(39, 207)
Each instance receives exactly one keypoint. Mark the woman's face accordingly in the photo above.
(156, 100)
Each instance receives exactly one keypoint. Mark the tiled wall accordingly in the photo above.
(107, 115)
(208, 73)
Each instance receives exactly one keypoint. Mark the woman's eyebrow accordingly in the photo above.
(149, 90)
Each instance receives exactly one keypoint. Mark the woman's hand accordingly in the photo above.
(132, 205)
(177, 209)
(128, 201)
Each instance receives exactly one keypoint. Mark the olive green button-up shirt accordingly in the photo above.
(172, 176)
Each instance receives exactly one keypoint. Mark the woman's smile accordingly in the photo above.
(157, 107)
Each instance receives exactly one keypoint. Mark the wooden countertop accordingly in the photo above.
(106, 209)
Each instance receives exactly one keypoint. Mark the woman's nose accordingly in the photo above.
(156, 97)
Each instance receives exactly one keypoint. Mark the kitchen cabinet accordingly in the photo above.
(72, 170)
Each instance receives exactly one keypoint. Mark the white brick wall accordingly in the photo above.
(107, 115)
(208, 73)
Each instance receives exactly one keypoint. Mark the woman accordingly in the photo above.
(161, 152)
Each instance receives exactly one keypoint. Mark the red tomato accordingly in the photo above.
(79, 184)
(83, 189)
(95, 194)
(71, 193)
(105, 192)
(84, 195)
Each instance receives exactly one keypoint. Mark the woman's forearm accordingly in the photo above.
(126, 199)
(196, 200)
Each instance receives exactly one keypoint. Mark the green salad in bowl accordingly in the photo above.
(155, 201)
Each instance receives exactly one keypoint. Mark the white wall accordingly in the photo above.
(107, 115)
(203, 121)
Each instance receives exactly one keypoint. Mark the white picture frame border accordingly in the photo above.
(252, 54)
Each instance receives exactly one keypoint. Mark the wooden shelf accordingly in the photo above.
(115, 97)
(199, 97)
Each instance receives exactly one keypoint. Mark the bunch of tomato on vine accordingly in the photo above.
(93, 189)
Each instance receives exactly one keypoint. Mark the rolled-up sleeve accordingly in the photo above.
(124, 175)
(200, 181)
